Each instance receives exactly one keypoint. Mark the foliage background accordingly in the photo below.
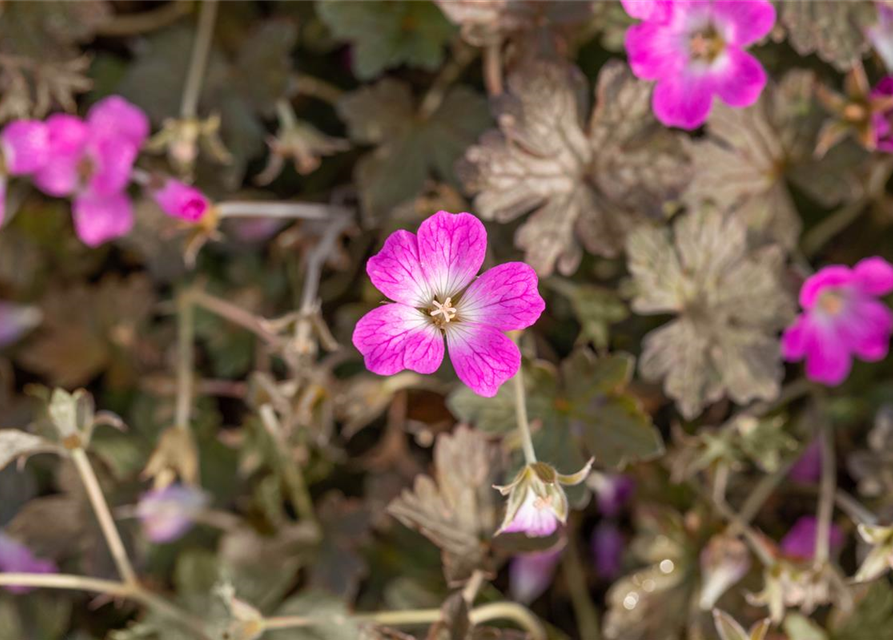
(382, 109)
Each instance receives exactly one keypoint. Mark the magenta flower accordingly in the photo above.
(841, 318)
(531, 574)
(91, 160)
(167, 514)
(799, 542)
(694, 49)
(24, 147)
(179, 200)
(607, 549)
(431, 278)
(17, 558)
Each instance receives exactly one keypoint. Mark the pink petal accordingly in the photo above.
(796, 339)
(741, 79)
(394, 337)
(743, 22)
(115, 117)
(531, 574)
(180, 200)
(483, 356)
(505, 297)
(112, 164)
(536, 522)
(26, 146)
(874, 276)
(2, 200)
(99, 218)
(397, 273)
(833, 276)
(653, 10)
(866, 328)
(451, 251)
(68, 137)
(683, 100)
(828, 359)
(654, 51)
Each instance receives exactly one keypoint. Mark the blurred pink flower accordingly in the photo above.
(167, 514)
(842, 317)
(25, 145)
(16, 320)
(17, 558)
(607, 549)
(180, 200)
(536, 517)
(91, 160)
(531, 574)
(694, 49)
(799, 543)
(881, 127)
(808, 468)
(431, 278)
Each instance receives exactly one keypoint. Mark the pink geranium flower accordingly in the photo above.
(168, 514)
(17, 558)
(881, 127)
(431, 278)
(799, 542)
(91, 160)
(694, 49)
(24, 147)
(842, 317)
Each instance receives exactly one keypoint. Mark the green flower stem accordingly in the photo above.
(299, 492)
(584, 609)
(280, 210)
(185, 361)
(198, 63)
(827, 491)
(521, 412)
(106, 522)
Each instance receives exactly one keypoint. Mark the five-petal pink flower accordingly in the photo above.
(842, 317)
(91, 160)
(431, 279)
(694, 49)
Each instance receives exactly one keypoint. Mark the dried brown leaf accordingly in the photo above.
(585, 185)
(729, 301)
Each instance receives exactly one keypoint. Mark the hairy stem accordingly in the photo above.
(283, 210)
(584, 609)
(101, 508)
(236, 315)
(129, 24)
(198, 63)
(827, 491)
(185, 360)
(521, 413)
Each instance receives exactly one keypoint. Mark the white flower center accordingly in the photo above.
(443, 312)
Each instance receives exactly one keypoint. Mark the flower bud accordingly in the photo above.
(180, 200)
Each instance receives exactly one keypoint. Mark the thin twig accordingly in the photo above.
(129, 24)
(493, 69)
(101, 508)
(317, 88)
(185, 360)
(448, 75)
(106, 587)
(827, 490)
(859, 513)
(299, 492)
(236, 315)
(198, 63)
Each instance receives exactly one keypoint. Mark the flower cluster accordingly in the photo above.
(841, 318)
(694, 49)
(91, 161)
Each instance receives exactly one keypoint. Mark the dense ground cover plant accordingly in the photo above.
(240, 239)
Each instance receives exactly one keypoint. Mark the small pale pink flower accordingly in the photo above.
(799, 542)
(180, 200)
(431, 279)
(538, 516)
(17, 558)
(695, 50)
(841, 318)
(167, 514)
(91, 160)
(531, 574)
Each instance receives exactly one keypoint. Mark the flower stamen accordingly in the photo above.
(445, 310)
